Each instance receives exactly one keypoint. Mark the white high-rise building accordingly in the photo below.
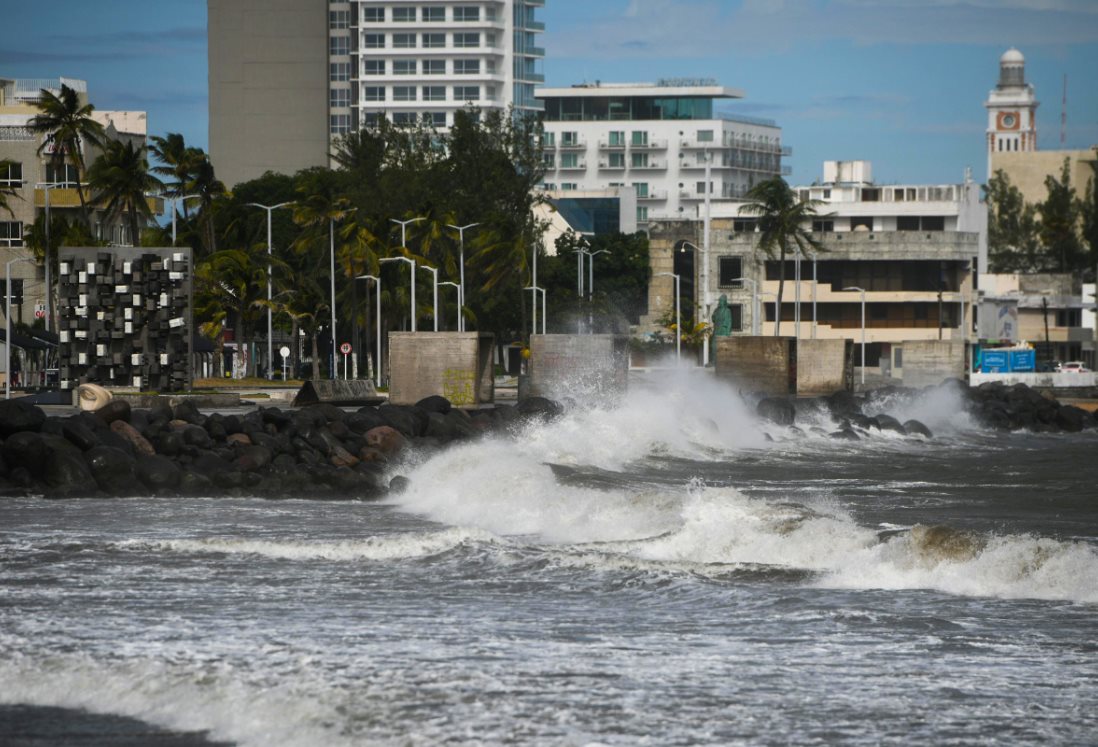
(657, 138)
(410, 60)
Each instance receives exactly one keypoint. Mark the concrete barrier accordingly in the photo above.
(824, 366)
(578, 366)
(347, 392)
(1038, 380)
(928, 362)
(758, 364)
(455, 365)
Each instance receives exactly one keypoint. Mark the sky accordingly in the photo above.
(898, 82)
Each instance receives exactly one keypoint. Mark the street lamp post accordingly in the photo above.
(183, 198)
(403, 229)
(678, 316)
(797, 294)
(705, 248)
(534, 290)
(7, 323)
(458, 288)
(434, 293)
(377, 334)
(413, 300)
(461, 293)
(46, 187)
(270, 314)
(862, 291)
(815, 284)
(591, 287)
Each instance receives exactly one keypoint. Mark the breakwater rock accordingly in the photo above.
(318, 451)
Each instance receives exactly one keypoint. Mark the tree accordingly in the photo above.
(209, 189)
(621, 280)
(67, 125)
(179, 162)
(1088, 209)
(782, 219)
(1012, 235)
(1059, 229)
(120, 180)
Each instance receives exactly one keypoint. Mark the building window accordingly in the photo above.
(548, 139)
(466, 40)
(466, 67)
(434, 41)
(339, 45)
(339, 97)
(568, 186)
(434, 93)
(371, 119)
(404, 67)
(569, 138)
(642, 213)
(339, 71)
(639, 160)
(640, 137)
(466, 13)
(373, 93)
(737, 316)
(404, 93)
(826, 226)
(339, 124)
(11, 174)
(548, 160)
(404, 118)
(569, 160)
(932, 223)
(729, 270)
(617, 160)
(11, 233)
(374, 41)
(861, 224)
(434, 67)
(549, 186)
(373, 15)
(339, 19)
(871, 195)
(705, 136)
(907, 223)
(642, 188)
(373, 67)
(617, 137)
(434, 15)
(700, 188)
(404, 41)
(404, 15)
(64, 173)
(744, 226)
(466, 93)
(438, 119)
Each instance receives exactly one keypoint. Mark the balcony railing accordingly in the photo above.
(612, 166)
(577, 166)
(654, 194)
(649, 145)
(572, 145)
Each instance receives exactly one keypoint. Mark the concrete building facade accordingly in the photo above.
(661, 139)
(1051, 312)
(289, 77)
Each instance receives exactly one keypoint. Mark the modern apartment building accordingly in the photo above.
(658, 138)
(288, 77)
(914, 249)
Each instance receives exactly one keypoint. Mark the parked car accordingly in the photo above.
(1074, 367)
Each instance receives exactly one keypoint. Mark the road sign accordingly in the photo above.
(345, 348)
(284, 351)
(40, 311)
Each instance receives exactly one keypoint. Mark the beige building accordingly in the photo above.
(1028, 171)
(1048, 311)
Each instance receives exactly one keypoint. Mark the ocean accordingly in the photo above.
(667, 570)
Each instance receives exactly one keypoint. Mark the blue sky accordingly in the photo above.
(898, 82)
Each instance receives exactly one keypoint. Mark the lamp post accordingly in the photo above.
(413, 301)
(591, 287)
(705, 248)
(797, 294)
(754, 303)
(332, 258)
(815, 284)
(377, 334)
(7, 323)
(270, 314)
(579, 286)
(434, 293)
(678, 316)
(458, 287)
(46, 187)
(862, 291)
(403, 229)
(461, 293)
(534, 291)
(183, 198)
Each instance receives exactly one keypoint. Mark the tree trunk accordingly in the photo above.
(781, 290)
(135, 237)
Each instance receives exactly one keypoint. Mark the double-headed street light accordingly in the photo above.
(413, 266)
(461, 296)
(270, 314)
(404, 229)
(7, 323)
(377, 334)
(862, 291)
(678, 314)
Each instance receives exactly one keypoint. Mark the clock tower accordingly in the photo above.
(1011, 111)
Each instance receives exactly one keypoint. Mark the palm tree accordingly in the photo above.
(209, 189)
(120, 181)
(782, 219)
(178, 161)
(67, 125)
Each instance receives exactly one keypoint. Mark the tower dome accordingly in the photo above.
(1012, 69)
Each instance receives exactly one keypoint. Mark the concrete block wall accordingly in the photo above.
(824, 366)
(455, 365)
(578, 366)
(927, 362)
(758, 364)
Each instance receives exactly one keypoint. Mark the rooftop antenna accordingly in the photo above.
(1064, 113)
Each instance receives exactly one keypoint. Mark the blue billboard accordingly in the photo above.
(1023, 361)
(994, 361)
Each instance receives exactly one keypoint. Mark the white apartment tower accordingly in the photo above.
(658, 139)
(427, 59)
(1011, 110)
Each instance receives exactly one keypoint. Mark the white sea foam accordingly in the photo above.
(388, 547)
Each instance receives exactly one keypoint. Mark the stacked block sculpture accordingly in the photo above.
(124, 317)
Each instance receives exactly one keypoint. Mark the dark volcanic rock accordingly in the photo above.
(845, 434)
(252, 458)
(843, 404)
(889, 423)
(1071, 418)
(435, 403)
(389, 441)
(116, 409)
(400, 419)
(17, 416)
(79, 433)
(539, 408)
(158, 472)
(776, 410)
(27, 450)
(914, 427)
(363, 420)
(139, 443)
(113, 470)
(169, 443)
(399, 484)
(187, 411)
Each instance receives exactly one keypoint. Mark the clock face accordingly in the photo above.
(1008, 121)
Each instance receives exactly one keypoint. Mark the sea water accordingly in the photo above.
(666, 570)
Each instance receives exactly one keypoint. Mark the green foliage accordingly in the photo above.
(1013, 243)
(120, 179)
(1059, 229)
(1088, 209)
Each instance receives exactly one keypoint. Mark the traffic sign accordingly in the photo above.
(40, 311)
(284, 351)
(345, 348)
